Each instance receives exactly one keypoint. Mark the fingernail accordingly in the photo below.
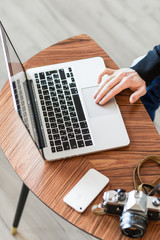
(101, 103)
(97, 100)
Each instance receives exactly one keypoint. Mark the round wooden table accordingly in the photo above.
(51, 181)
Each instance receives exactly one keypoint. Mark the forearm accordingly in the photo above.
(149, 67)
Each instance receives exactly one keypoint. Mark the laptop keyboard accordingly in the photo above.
(20, 102)
(64, 117)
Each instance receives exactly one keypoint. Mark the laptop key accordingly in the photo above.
(62, 102)
(59, 120)
(77, 131)
(74, 119)
(66, 145)
(61, 126)
(83, 124)
(58, 142)
(53, 93)
(80, 143)
(88, 143)
(59, 91)
(66, 118)
(43, 108)
(73, 114)
(63, 132)
(58, 115)
(58, 86)
(59, 148)
(68, 124)
(47, 125)
(64, 138)
(48, 103)
(57, 81)
(54, 71)
(50, 137)
(79, 137)
(43, 82)
(74, 90)
(72, 85)
(53, 149)
(65, 113)
(50, 114)
(45, 92)
(49, 131)
(87, 137)
(42, 75)
(52, 88)
(70, 103)
(68, 98)
(69, 130)
(55, 104)
(56, 137)
(64, 107)
(64, 82)
(44, 87)
(62, 74)
(73, 143)
(75, 125)
(51, 143)
(54, 99)
(71, 109)
(53, 125)
(46, 119)
(45, 114)
(67, 92)
(49, 78)
(50, 109)
(70, 135)
(46, 97)
(55, 130)
(65, 87)
(57, 110)
(85, 131)
(55, 76)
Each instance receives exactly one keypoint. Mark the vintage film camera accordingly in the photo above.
(135, 208)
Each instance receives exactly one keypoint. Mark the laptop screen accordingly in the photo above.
(14, 66)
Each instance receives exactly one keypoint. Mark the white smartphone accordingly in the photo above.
(86, 190)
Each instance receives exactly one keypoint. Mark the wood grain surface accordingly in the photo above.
(51, 181)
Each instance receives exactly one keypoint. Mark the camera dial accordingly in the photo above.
(156, 202)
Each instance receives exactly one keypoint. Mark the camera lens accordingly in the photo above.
(133, 224)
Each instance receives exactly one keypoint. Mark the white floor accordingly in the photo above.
(124, 29)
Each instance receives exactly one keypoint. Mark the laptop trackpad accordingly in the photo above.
(94, 109)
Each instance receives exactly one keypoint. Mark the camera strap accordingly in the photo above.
(148, 189)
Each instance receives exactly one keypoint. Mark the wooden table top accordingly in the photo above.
(51, 181)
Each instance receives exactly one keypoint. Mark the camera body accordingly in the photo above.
(135, 208)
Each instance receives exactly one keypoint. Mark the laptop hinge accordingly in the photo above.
(35, 112)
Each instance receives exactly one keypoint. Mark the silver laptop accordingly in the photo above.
(57, 106)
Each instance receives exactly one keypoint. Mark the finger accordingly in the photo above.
(108, 71)
(102, 84)
(137, 94)
(108, 86)
(112, 93)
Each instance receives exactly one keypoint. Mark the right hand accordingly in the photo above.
(118, 80)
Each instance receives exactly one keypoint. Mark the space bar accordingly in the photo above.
(79, 108)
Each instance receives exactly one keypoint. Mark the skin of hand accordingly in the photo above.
(117, 80)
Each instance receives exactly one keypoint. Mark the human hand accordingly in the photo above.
(118, 80)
